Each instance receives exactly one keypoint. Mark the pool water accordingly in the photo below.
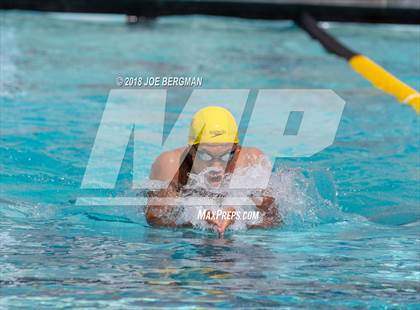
(351, 241)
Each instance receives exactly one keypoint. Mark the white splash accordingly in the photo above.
(297, 198)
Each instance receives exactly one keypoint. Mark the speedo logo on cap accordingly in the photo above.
(215, 133)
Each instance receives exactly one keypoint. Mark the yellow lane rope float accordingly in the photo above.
(385, 81)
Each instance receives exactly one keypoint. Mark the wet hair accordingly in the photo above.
(188, 160)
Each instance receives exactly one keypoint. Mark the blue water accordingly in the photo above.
(56, 73)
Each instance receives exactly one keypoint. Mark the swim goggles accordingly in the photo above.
(204, 156)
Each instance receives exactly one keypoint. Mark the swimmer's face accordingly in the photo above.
(214, 158)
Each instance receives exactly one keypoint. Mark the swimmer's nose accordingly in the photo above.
(218, 165)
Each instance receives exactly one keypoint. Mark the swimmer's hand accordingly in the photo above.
(263, 203)
(220, 225)
(266, 203)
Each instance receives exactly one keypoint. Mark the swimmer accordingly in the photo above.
(213, 148)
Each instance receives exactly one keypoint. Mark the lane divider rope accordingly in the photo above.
(364, 66)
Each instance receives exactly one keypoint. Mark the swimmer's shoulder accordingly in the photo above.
(166, 165)
(251, 156)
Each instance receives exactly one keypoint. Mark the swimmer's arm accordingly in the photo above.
(164, 169)
(158, 214)
(264, 201)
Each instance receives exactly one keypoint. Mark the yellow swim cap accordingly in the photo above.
(213, 125)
